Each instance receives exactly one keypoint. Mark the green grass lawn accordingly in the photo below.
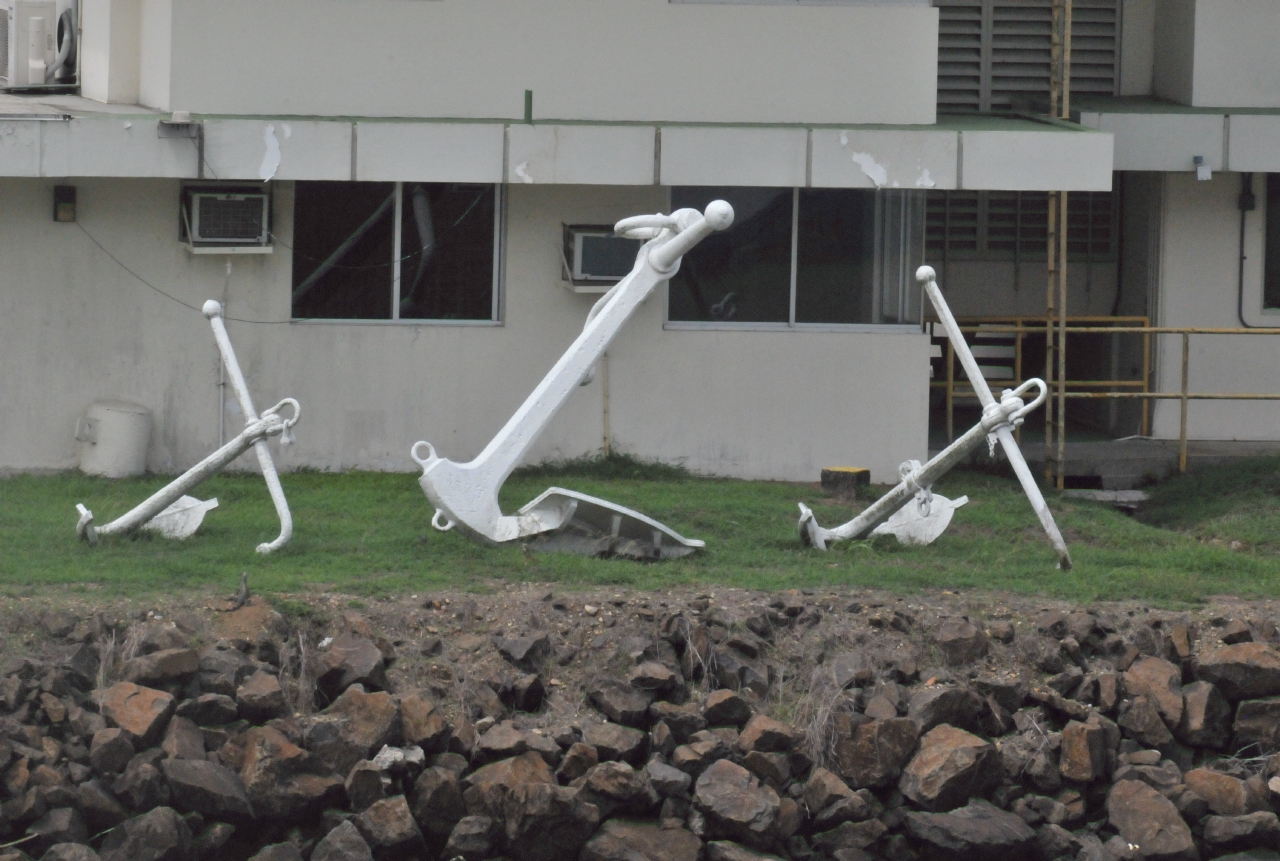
(370, 533)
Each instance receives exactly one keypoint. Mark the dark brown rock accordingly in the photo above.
(545, 822)
(158, 835)
(365, 785)
(1206, 716)
(1225, 795)
(437, 801)
(612, 741)
(727, 850)
(207, 788)
(1140, 717)
(655, 677)
(622, 840)
(260, 698)
(343, 843)
(183, 740)
(209, 710)
(69, 852)
(1083, 757)
(349, 660)
(683, 720)
(578, 760)
(99, 807)
(871, 754)
(142, 785)
(355, 727)
(1161, 681)
(933, 706)
(390, 830)
(977, 832)
(60, 825)
(950, 767)
(1259, 830)
(617, 788)
(1258, 723)
(725, 708)
(767, 735)
(165, 667)
(279, 777)
(1241, 672)
(474, 838)
(110, 750)
(622, 703)
(960, 642)
(525, 652)
(141, 712)
(668, 782)
(278, 852)
(1147, 819)
(735, 805)
(423, 724)
(485, 789)
(773, 768)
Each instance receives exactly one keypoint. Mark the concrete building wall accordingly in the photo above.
(1199, 282)
(583, 60)
(1175, 42)
(1217, 53)
(1137, 46)
(75, 327)
(111, 49)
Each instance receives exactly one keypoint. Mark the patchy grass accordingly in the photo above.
(370, 534)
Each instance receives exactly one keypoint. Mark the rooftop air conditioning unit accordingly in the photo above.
(38, 44)
(227, 222)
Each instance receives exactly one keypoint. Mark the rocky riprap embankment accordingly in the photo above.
(1144, 743)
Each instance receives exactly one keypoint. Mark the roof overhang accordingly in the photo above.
(1155, 135)
(959, 152)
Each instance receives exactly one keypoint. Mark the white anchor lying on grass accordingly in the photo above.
(933, 513)
(465, 495)
(176, 515)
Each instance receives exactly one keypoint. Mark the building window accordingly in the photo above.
(1012, 225)
(994, 55)
(396, 251)
(1271, 252)
(798, 257)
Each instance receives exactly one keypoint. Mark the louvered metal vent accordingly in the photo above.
(4, 45)
(1007, 225)
(993, 55)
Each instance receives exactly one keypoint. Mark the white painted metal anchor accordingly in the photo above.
(176, 515)
(999, 419)
(465, 495)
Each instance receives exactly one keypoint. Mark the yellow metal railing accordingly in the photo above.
(1019, 327)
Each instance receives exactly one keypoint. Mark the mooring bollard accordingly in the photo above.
(183, 513)
(999, 419)
(465, 495)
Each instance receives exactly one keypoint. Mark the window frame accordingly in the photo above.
(791, 325)
(498, 297)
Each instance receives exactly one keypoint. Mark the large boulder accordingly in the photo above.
(736, 805)
(165, 667)
(437, 801)
(1147, 819)
(474, 838)
(1083, 757)
(1225, 795)
(978, 831)
(1206, 716)
(951, 767)
(279, 777)
(1258, 723)
(349, 660)
(141, 712)
(389, 829)
(616, 787)
(938, 704)
(1243, 671)
(485, 789)
(1259, 830)
(261, 698)
(612, 741)
(960, 641)
(423, 723)
(622, 840)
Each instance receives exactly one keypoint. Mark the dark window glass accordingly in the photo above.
(342, 249)
(743, 274)
(835, 257)
(446, 242)
(1271, 278)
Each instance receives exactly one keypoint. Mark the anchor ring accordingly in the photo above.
(448, 522)
(430, 458)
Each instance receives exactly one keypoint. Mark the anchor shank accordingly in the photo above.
(1032, 490)
(213, 310)
(167, 495)
(958, 343)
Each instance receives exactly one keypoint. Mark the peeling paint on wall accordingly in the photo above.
(925, 181)
(271, 158)
(875, 171)
(522, 171)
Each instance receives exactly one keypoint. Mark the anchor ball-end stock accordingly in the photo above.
(719, 214)
(925, 274)
(212, 309)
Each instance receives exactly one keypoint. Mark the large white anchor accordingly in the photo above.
(177, 515)
(465, 495)
(999, 419)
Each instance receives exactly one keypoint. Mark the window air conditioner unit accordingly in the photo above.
(221, 222)
(595, 258)
(38, 44)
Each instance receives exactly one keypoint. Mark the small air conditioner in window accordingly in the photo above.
(226, 221)
(595, 258)
(38, 44)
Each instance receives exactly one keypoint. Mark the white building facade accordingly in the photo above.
(425, 185)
